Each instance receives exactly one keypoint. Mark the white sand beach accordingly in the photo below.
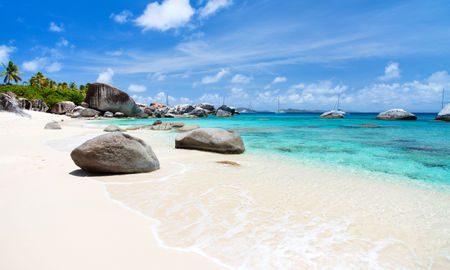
(260, 215)
(52, 219)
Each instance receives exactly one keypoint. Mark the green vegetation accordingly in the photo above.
(41, 87)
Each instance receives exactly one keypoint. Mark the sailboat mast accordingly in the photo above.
(278, 107)
(443, 93)
(339, 97)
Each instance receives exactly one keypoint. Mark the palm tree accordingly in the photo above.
(11, 73)
(38, 80)
(73, 86)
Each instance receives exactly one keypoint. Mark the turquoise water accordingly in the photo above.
(416, 150)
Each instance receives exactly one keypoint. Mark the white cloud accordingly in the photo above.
(115, 53)
(35, 65)
(63, 43)
(169, 14)
(216, 78)
(54, 67)
(122, 17)
(213, 6)
(185, 100)
(211, 98)
(279, 80)
(391, 71)
(4, 53)
(157, 76)
(137, 88)
(239, 78)
(106, 77)
(41, 64)
(56, 28)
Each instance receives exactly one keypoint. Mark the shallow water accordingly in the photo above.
(418, 150)
(309, 194)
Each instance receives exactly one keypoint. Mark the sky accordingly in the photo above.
(376, 55)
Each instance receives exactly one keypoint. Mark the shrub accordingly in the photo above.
(49, 95)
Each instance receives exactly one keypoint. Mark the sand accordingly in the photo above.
(53, 219)
(263, 214)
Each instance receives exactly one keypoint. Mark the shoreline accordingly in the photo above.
(350, 207)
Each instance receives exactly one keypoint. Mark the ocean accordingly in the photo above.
(311, 193)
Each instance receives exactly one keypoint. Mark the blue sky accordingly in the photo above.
(377, 54)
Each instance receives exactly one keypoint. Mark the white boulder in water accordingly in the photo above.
(444, 114)
(396, 114)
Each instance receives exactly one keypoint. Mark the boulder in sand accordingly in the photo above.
(108, 114)
(39, 105)
(112, 128)
(115, 152)
(52, 125)
(444, 114)
(104, 97)
(211, 139)
(87, 112)
(396, 114)
(63, 107)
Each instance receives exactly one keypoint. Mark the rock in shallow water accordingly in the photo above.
(332, 115)
(444, 114)
(211, 139)
(187, 128)
(115, 153)
(396, 114)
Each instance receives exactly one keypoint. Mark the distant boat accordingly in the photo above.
(336, 112)
(278, 107)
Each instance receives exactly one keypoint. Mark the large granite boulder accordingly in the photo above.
(115, 152)
(180, 109)
(63, 107)
(332, 115)
(444, 114)
(39, 105)
(228, 109)
(52, 125)
(9, 104)
(199, 112)
(104, 97)
(396, 114)
(222, 113)
(206, 106)
(108, 114)
(211, 139)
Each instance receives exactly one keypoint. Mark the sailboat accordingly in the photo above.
(336, 112)
(278, 107)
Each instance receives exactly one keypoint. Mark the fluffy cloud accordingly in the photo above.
(391, 71)
(41, 64)
(239, 78)
(169, 14)
(4, 53)
(211, 98)
(185, 100)
(122, 17)
(279, 80)
(54, 67)
(62, 43)
(216, 78)
(137, 88)
(106, 77)
(56, 28)
(212, 6)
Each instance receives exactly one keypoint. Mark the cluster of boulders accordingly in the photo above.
(103, 100)
(10, 102)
